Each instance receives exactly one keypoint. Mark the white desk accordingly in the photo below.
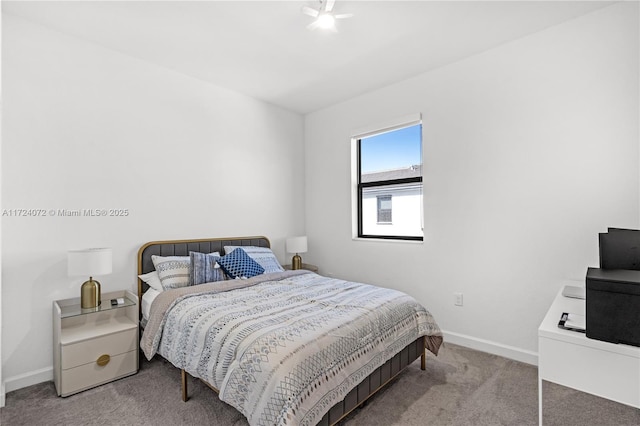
(570, 359)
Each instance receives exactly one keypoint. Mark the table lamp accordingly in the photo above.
(89, 262)
(296, 245)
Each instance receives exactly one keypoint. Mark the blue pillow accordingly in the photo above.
(239, 264)
(203, 268)
(263, 255)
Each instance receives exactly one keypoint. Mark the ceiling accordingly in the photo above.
(263, 49)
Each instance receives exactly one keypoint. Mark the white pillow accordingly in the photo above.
(152, 279)
(172, 270)
(262, 255)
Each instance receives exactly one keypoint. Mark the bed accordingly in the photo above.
(282, 347)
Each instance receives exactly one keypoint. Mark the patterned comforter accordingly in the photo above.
(283, 348)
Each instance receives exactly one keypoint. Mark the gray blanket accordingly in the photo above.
(283, 348)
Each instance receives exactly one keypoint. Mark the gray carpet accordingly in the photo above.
(460, 387)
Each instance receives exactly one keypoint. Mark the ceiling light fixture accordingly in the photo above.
(325, 18)
(326, 21)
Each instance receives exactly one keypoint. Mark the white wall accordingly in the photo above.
(86, 127)
(530, 150)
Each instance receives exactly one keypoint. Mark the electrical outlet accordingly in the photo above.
(457, 299)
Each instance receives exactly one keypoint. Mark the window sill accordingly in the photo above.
(387, 240)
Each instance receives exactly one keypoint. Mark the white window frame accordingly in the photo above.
(356, 135)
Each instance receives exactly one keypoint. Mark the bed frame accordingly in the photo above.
(354, 399)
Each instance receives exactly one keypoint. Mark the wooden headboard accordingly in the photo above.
(183, 247)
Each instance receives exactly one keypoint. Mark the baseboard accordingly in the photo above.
(27, 379)
(511, 352)
(495, 348)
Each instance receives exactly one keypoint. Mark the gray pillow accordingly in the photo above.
(204, 269)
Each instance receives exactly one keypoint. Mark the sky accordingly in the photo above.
(392, 150)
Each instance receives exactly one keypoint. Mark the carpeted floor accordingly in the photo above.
(460, 387)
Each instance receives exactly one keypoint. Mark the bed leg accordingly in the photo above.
(423, 357)
(184, 386)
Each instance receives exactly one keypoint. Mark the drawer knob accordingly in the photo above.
(103, 360)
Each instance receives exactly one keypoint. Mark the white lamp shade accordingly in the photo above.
(89, 262)
(296, 245)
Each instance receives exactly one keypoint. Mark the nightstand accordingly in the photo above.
(94, 346)
(307, 266)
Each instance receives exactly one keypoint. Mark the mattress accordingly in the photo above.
(147, 299)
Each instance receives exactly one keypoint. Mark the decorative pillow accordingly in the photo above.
(263, 255)
(238, 264)
(204, 268)
(172, 270)
(152, 279)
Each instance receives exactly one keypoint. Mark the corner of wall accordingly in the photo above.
(27, 379)
(1, 358)
(506, 351)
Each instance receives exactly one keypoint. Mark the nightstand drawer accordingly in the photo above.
(88, 351)
(89, 375)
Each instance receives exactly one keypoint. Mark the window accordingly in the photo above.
(388, 182)
(384, 208)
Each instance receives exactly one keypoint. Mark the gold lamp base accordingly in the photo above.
(296, 262)
(90, 294)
